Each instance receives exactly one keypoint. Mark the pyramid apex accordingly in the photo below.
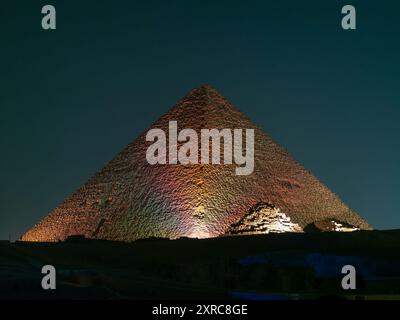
(206, 94)
(204, 89)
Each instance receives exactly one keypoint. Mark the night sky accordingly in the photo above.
(72, 98)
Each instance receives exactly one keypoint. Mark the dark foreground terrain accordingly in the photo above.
(276, 266)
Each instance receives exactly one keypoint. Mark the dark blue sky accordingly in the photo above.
(70, 99)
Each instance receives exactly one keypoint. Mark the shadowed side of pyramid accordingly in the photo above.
(130, 199)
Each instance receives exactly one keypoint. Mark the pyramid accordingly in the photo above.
(130, 199)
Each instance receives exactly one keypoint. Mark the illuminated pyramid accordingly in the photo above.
(130, 199)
